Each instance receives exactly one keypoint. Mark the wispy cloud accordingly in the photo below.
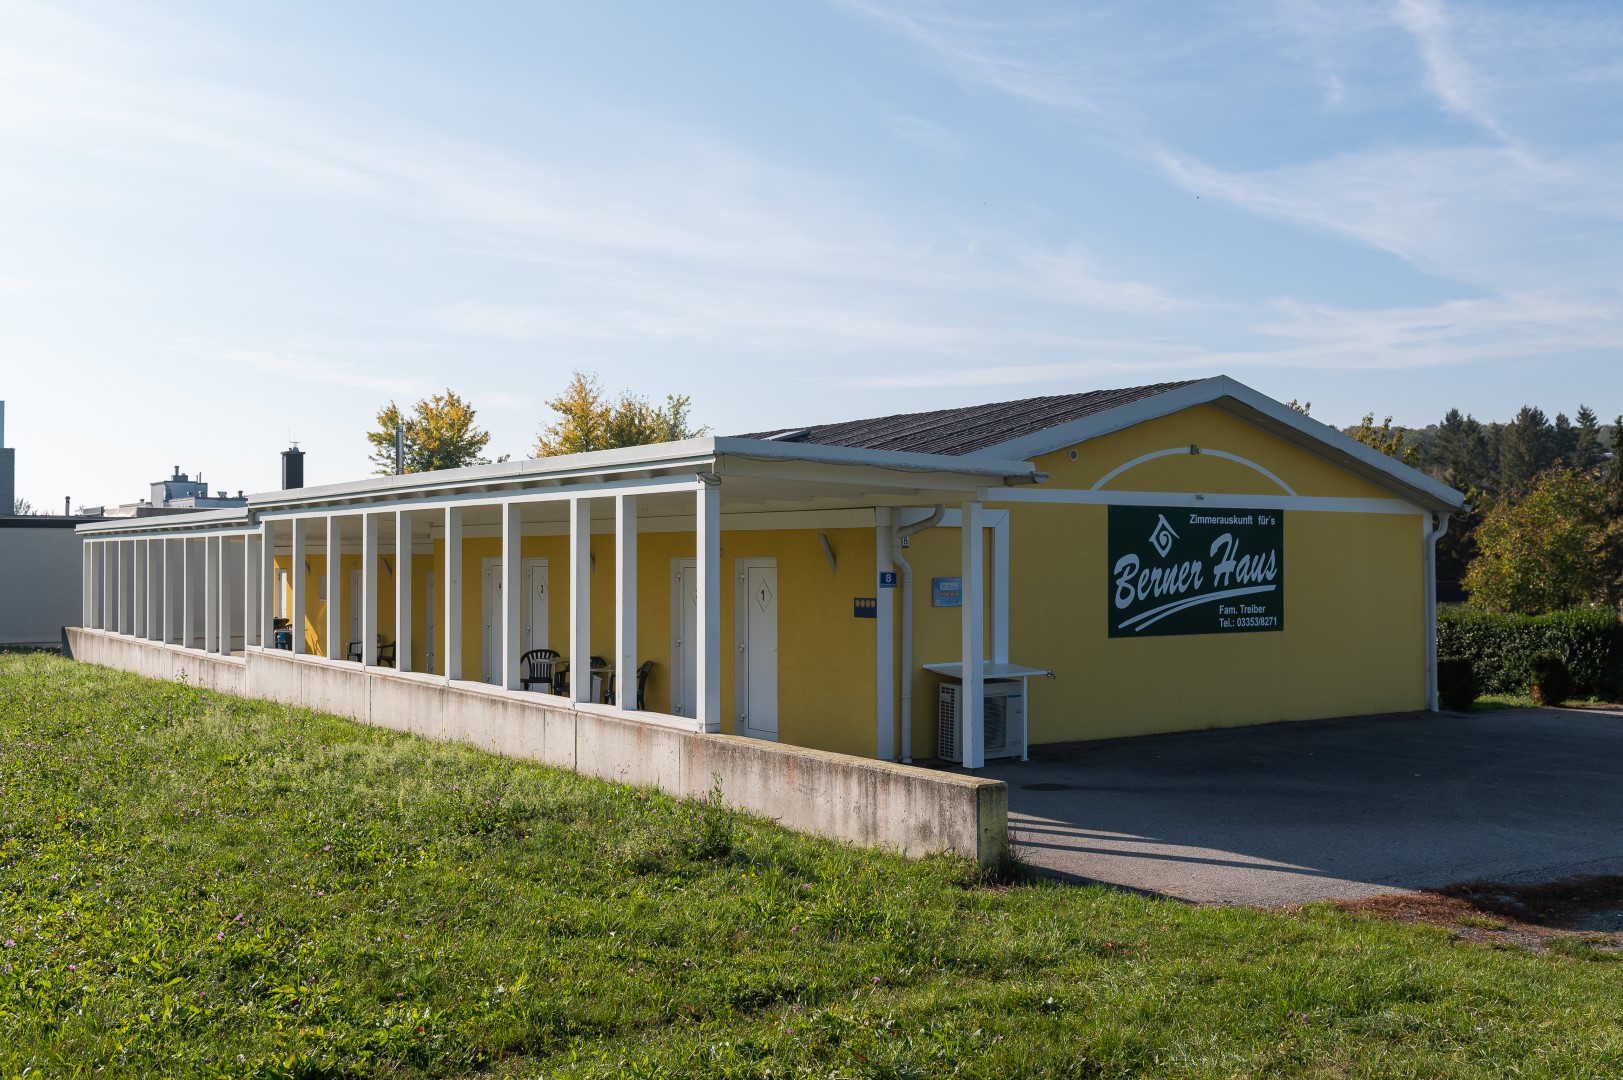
(1448, 76)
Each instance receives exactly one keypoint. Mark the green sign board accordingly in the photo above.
(1180, 570)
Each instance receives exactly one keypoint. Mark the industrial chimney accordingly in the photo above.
(292, 468)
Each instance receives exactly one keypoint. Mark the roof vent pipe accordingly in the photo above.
(898, 541)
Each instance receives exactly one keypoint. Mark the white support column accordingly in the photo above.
(335, 587)
(708, 543)
(625, 595)
(223, 620)
(369, 590)
(301, 557)
(126, 570)
(188, 587)
(884, 642)
(453, 594)
(512, 619)
(174, 590)
(87, 585)
(580, 600)
(267, 586)
(138, 552)
(108, 579)
(155, 583)
(1000, 592)
(252, 592)
(211, 594)
(971, 705)
(402, 590)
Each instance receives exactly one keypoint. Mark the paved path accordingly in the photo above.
(1325, 809)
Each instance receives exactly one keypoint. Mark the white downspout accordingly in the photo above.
(899, 534)
(1433, 534)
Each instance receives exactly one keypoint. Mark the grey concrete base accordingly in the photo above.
(875, 803)
(1329, 809)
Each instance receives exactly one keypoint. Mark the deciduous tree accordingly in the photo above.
(1544, 550)
(440, 434)
(588, 420)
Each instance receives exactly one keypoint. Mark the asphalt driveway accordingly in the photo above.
(1328, 809)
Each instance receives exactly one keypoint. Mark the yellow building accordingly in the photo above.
(1075, 567)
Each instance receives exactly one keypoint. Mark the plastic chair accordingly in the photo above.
(541, 667)
(642, 680)
(386, 655)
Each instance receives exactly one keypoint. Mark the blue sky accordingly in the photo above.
(222, 226)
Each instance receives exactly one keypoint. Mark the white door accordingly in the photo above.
(354, 611)
(755, 680)
(684, 638)
(532, 613)
(491, 619)
(429, 639)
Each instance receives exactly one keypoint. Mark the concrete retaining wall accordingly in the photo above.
(875, 803)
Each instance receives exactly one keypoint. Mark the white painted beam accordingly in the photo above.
(402, 590)
(211, 594)
(369, 590)
(510, 618)
(580, 600)
(301, 558)
(708, 654)
(335, 587)
(453, 593)
(971, 705)
(625, 595)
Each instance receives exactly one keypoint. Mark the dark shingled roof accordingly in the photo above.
(967, 430)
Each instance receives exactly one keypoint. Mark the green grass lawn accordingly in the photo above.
(193, 885)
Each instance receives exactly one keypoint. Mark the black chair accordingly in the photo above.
(353, 650)
(386, 655)
(642, 680)
(541, 667)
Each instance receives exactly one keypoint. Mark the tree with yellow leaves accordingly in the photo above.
(440, 434)
(588, 420)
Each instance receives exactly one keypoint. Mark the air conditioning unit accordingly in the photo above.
(1003, 714)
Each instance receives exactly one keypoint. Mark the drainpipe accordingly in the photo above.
(1433, 534)
(899, 535)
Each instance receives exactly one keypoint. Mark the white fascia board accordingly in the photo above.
(212, 521)
(967, 465)
(1310, 433)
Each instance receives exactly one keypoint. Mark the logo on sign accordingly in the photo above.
(1205, 571)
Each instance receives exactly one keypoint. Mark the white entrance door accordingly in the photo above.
(532, 612)
(684, 637)
(755, 679)
(354, 611)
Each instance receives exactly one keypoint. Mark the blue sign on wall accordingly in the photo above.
(947, 592)
(865, 607)
(887, 579)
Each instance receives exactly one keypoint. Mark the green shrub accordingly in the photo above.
(1500, 648)
(1456, 685)
(1552, 685)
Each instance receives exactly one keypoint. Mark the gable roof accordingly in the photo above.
(1028, 427)
(969, 430)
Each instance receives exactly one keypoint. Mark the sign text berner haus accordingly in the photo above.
(1182, 570)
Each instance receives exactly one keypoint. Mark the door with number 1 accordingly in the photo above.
(755, 683)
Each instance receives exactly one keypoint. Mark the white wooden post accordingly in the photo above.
(369, 590)
(267, 585)
(335, 586)
(971, 705)
(884, 641)
(138, 582)
(580, 600)
(155, 583)
(707, 540)
(453, 594)
(625, 593)
(211, 594)
(126, 570)
(402, 591)
(188, 590)
(301, 557)
(511, 615)
(87, 585)
(251, 590)
(174, 589)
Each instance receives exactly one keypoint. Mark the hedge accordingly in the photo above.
(1501, 648)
